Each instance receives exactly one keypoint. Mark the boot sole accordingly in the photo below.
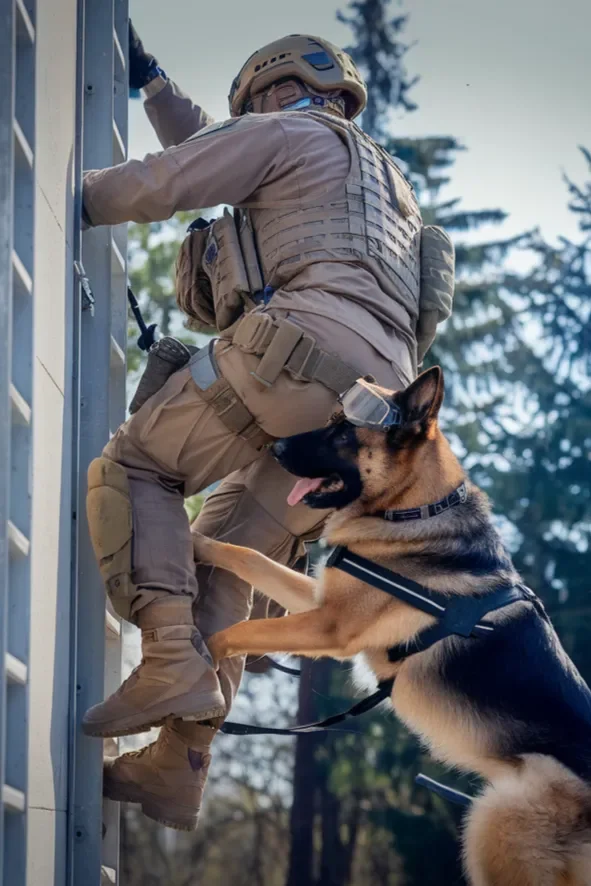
(151, 805)
(182, 708)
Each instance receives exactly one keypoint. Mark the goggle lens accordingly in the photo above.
(365, 407)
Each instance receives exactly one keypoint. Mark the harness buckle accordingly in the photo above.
(298, 363)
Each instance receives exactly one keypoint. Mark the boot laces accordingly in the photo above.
(147, 748)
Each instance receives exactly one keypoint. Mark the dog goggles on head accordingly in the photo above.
(365, 406)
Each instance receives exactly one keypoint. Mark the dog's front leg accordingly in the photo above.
(291, 589)
(310, 633)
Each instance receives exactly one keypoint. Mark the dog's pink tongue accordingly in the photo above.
(302, 488)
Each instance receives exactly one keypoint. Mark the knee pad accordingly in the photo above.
(110, 524)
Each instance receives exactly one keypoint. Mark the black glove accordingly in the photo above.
(143, 67)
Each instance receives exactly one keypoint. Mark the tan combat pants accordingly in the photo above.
(175, 446)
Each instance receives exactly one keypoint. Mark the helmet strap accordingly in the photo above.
(293, 94)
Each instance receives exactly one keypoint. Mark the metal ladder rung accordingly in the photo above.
(22, 142)
(22, 272)
(13, 799)
(118, 48)
(117, 353)
(118, 145)
(16, 670)
(118, 262)
(18, 543)
(108, 876)
(21, 411)
(24, 23)
(112, 625)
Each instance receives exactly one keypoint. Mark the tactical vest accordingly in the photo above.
(371, 219)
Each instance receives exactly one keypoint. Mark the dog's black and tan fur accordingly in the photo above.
(510, 707)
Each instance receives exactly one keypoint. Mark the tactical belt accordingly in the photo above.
(283, 345)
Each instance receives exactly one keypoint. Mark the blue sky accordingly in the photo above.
(511, 80)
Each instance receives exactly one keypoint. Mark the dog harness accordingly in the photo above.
(461, 616)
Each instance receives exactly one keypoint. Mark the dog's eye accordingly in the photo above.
(342, 435)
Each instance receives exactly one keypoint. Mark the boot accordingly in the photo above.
(167, 777)
(175, 678)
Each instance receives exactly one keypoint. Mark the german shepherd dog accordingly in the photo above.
(510, 707)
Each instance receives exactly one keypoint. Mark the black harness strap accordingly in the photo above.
(451, 794)
(277, 666)
(455, 615)
(383, 692)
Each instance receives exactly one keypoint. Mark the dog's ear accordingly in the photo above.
(421, 401)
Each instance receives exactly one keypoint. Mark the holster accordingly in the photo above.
(164, 357)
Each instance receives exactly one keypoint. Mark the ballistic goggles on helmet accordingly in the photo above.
(366, 407)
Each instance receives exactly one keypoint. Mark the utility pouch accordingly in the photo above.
(194, 294)
(218, 271)
(437, 285)
(166, 356)
(225, 265)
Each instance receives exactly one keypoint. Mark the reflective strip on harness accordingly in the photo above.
(456, 615)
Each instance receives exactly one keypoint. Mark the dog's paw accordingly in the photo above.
(204, 548)
(218, 648)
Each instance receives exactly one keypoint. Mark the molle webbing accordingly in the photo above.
(282, 345)
(372, 218)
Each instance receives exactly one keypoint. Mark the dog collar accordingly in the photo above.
(457, 497)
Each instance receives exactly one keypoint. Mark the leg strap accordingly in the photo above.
(283, 345)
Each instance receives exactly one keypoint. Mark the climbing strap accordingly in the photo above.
(283, 345)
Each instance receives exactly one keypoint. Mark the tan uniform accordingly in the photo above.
(176, 443)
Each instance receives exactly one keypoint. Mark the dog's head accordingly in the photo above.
(344, 462)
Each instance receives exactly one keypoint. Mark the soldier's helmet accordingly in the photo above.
(316, 63)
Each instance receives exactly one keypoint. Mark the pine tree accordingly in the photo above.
(379, 53)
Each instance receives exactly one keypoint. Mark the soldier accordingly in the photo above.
(313, 281)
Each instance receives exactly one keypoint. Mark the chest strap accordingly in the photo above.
(456, 615)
